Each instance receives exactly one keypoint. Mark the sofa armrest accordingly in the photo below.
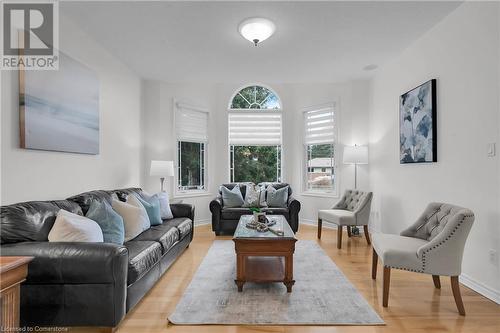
(294, 209)
(183, 210)
(72, 263)
(216, 205)
(216, 210)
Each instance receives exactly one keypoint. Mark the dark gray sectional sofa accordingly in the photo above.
(87, 284)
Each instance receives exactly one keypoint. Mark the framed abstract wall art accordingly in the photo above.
(417, 124)
(59, 109)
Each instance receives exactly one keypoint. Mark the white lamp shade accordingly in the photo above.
(162, 168)
(256, 29)
(356, 155)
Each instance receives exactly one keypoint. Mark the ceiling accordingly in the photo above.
(199, 41)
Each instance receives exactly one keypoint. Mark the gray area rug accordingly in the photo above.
(322, 295)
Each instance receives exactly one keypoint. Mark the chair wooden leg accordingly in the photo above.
(367, 235)
(374, 264)
(320, 225)
(455, 287)
(387, 282)
(437, 282)
(339, 237)
(349, 231)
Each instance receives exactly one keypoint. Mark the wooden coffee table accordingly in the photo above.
(263, 256)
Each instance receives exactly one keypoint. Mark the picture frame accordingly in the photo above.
(418, 124)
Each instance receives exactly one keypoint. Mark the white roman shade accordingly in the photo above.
(255, 128)
(319, 125)
(191, 124)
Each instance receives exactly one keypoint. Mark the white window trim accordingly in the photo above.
(190, 193)
(322, 193)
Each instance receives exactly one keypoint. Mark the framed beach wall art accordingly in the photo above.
(59, 109)
(417, 124)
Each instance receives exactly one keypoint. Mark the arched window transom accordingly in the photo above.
(255, 97)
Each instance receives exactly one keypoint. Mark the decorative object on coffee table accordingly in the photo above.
(264, 256)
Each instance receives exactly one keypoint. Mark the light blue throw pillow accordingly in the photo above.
(152, 205)
(232, 198)
(277, 198)
(111, 223)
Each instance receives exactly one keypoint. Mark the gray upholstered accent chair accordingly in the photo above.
(432, 245)
(353, 209)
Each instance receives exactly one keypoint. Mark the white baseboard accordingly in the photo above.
(480, 288)
(198, 222)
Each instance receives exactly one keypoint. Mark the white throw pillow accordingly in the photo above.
(252, 196)
(135, 218)
(70, 227)
(165, 211)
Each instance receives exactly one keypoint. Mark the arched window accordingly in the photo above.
(255, 135)
(255, 97)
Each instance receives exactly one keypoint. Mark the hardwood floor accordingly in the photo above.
(415, 304)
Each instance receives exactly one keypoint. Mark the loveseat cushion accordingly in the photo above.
(166, 234)
(277, 211)
(183, 224)
(32, 220)
(234, 213)
(143, 255)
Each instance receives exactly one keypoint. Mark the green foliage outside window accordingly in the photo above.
(191, 165)
(255, 163)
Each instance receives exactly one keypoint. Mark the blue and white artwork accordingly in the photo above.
(417, 124)
(59, 109)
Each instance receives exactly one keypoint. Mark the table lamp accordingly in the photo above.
(162, 169)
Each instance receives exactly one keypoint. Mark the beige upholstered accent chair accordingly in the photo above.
(432, 245)
(353, 209)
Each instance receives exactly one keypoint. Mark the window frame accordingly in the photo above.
(178, 193)
(230, 174)
(305, 151)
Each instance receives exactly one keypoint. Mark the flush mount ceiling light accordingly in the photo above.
(256, 29)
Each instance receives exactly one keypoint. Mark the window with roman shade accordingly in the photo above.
(191, 129)
(319, 148)
(255, 135)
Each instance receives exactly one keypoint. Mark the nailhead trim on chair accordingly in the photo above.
(443, 241)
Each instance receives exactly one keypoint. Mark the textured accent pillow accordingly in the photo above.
(232, 198)
(165, 210)
(277, 198)
(252, 196)
(134, 217)
(111, 223)
(152, 206)
(69, 227)
(262, 198)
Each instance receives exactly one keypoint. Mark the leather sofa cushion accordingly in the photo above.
(142, 256)
(277, 211)
(31, 221)
(71, 263)
(166, 234)
(183, 224)
(235, 213)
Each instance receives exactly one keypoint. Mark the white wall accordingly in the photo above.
(42, 175)
(462, 53)
(159, 142)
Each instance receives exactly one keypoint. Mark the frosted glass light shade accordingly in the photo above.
(256, 29)
(162, 168)
(356, 155)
